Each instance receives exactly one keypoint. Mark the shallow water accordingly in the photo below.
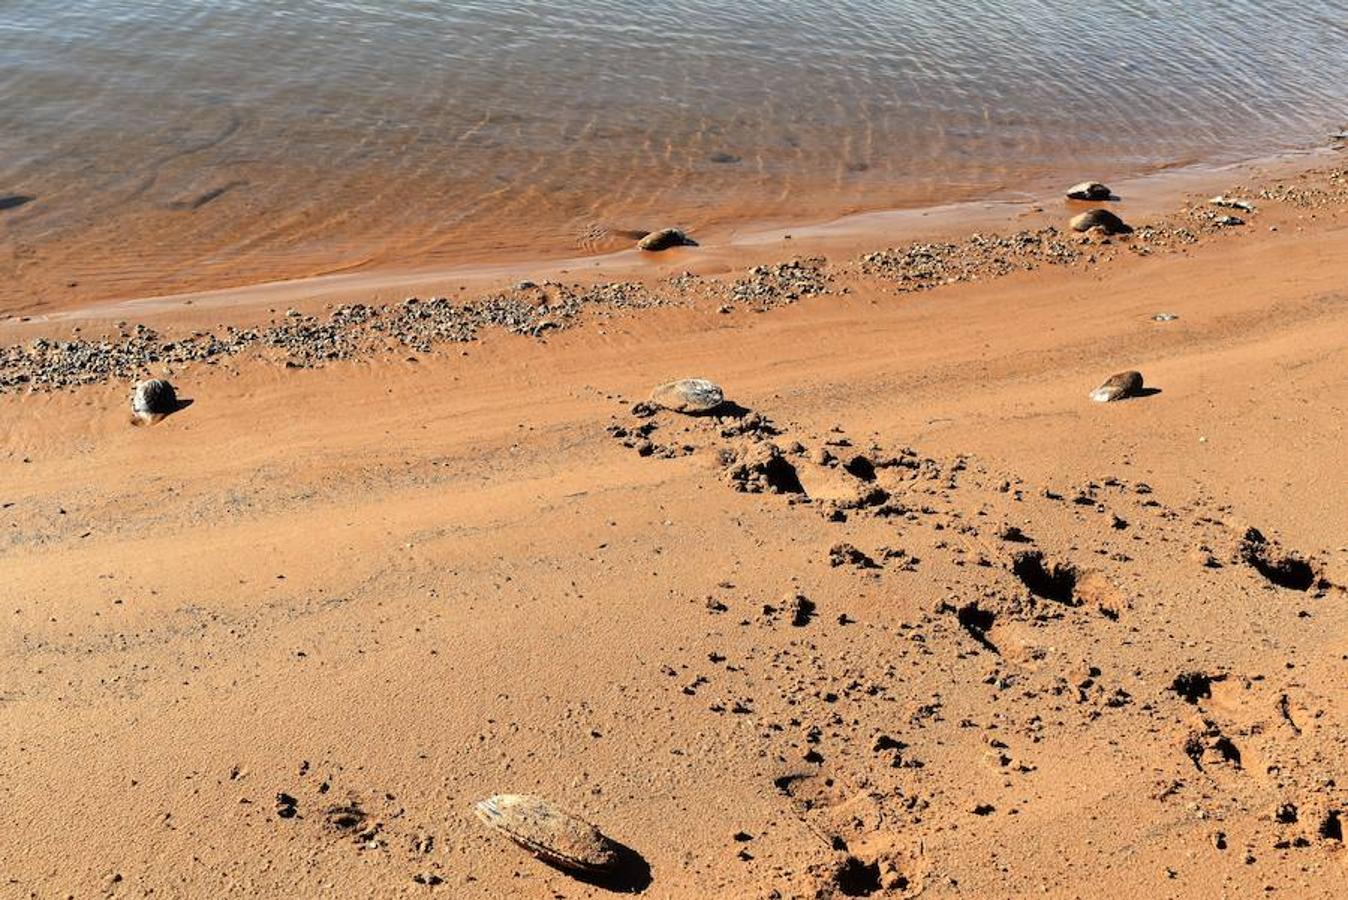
(150, 146)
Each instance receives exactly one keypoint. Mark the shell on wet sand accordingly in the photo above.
(665, 238)
(689, 395)
(154, 398)
(1099, 218)
(553, 835)
(1117, 387)
(1089, 190)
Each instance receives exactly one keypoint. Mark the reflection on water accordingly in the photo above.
(160, 145)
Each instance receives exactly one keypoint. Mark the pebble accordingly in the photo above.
(1089, 190)
(688, 395)
(1118, 387)
(553, 835)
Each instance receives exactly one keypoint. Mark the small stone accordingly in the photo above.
(1118, 387)
(664, 239)
(153, 399)
(1099, 218)
(1089, 190)
(802, 609)
(286, 805)
(1228, 221)
(688, 395)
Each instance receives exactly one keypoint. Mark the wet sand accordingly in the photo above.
(404, 581)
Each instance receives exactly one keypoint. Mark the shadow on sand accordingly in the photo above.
(630, 875)
(14, 201)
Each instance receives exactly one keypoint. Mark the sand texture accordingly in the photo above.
(907, 615)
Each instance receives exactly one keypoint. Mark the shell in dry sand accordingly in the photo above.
(1089, 190)
(689, 395)
(664, 239)
(1117, 387)
(554, 836)
(153, 398)
(1099, 218)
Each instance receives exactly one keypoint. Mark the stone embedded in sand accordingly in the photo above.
(1089, 190)
(689, 395)
(153, 398)
(1118, 387)
(1286, 570)
(801, 608)
(664, 239)
(837, 486)
(1099, 218)
(554, 836)
(758, 467)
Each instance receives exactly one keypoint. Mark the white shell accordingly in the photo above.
(551, 834)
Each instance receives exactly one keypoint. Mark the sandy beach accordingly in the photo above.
(908, 616)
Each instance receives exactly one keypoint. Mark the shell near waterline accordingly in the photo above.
(1089, 190)
(665, 238)
(551, 834)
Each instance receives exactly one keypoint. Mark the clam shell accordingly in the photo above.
(689, 395)
(155, 397)
(665, 238)
(1089, 190)
(1099, 218)
(555, 836)
(1117, 387)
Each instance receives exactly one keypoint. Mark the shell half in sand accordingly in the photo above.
(1117, 387)
(1099, 218)
(555, 836)
(689, 395)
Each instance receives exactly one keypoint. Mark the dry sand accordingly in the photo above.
(387, 589)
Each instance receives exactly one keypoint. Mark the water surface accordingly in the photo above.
(147, 147)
